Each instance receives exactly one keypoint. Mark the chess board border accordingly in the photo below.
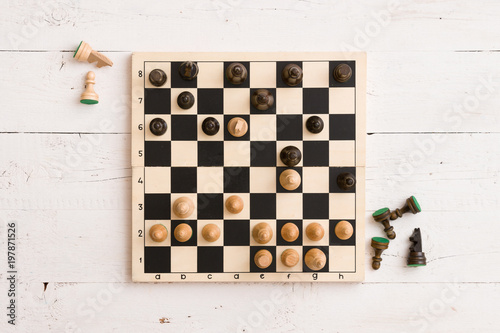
(138, 187)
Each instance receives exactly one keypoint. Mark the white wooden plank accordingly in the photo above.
(407, 92)
(75, 219)
(106, 307)
(238, 25)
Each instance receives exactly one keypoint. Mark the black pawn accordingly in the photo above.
(188, 70)
(292, 75)
(290, 156)
(342, 73)
(158, 126)
(346, 181)
(262, 99)
(185, 100)
(157, 77)
(236, 73)
(314, 124)
(210, 126)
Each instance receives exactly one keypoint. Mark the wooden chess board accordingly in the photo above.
(185, 162)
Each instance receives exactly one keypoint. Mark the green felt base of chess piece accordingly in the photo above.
(384, 215)
(88, 101)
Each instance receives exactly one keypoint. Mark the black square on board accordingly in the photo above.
(280, 65)
(263, 153)
(271, 110)
(210, 153)
(245, 84)
(157, 153)
(156, 206)
(349, 83)
(178, 81)
(262, 205)
(237, 232)
(210, 206)
(280, 188)
(236, 180)
(210, 259)
(325, 251)
(315, 205)
(157, 259)
(334, 240)
(157, 101)
(315, 101)
(279, 238)
(210, 101)
(228, 136)
(316, 153)
(289, 127)
(184, 127)
(342, 127)
(193, 241)
(334, 173)
(183, 180)
(254, 250)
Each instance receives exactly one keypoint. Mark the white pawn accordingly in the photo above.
(89, 96)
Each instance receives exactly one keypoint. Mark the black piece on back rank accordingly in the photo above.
(157, 77)
(188, 70)
(292, 75)
(342, 73)
(417, 257)
(236, 73)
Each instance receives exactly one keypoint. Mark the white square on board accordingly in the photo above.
(184, 259)
(316, 74)
(263, 75)
(342, 259)
(288, 206)
(236, 153)
(210, 179)
(289, 100)
(315, 179)
(342, 100)
(184, 153)
(263, 127)
(343, 206)
(236, 259)
(262, 180)
(157, 179)
(237, 101)
(342, 153)
(211, 75)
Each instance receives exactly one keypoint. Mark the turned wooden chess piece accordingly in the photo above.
(384, 215)
(417, 257)
(183, 207)
(290, 156)
(342, 73)
(185, 100)
(292, 75)
(315, 124)
(315, 259)
(89, 96)
(344, 230)
(290, 257)
(85, 53)
(158, 126)
(263, 259)
(157, 77)
(237, 127)
(290, 232)
(290, 179)
(188, 70)
(183, 232)
(315, 232)
(379, 244)
(262, 99)
(262, 233)
(346, 181)
(158, 232)
(236, 73)
(234, 204)
(211, 232)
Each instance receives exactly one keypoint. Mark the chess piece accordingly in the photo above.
(183, 207)
(158, 126)
(89, 96)
(315, 259)
(292, 75)
(263, 259)
(290, 258)
(211, 232)
(185, 100)
(290, 179)
(188, 70)
(237, 127)
(290, 232)
(314, 124)
(157, 77)
(315, 231)
(236, 73)
(234, 204)
(183, 232)
(384, 215)
(379, 244)
(262, 99)
(210, 126)
(158, 232)
(342, 73)
(262, 233)
(290, 156)
(417, 257)
(344, 230)
(346, 181)
(85, 53)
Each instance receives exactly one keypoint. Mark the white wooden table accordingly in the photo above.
(433, 131)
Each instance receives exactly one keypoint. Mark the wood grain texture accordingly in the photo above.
(65, 168)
